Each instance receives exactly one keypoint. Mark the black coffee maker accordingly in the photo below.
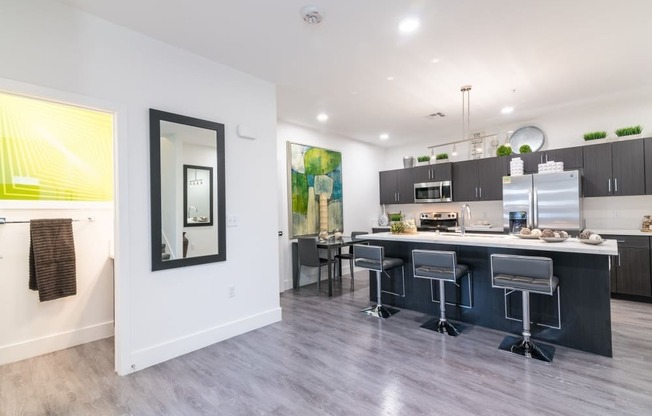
(517, 220)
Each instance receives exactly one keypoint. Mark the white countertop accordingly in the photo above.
(572, 245)
(620, 232)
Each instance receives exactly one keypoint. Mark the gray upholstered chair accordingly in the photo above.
(526, 274)
(308, 254)
(373, 258)
(349, 256)
(441, 266)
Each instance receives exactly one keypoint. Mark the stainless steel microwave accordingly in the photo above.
(433, 192)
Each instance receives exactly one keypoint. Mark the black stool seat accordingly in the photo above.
(530, 284)
(442, 273)
(387, 263)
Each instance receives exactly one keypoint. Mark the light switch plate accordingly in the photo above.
(231, 221)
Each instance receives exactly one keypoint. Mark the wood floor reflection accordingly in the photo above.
(325, 358)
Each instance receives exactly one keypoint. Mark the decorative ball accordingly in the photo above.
(595, 237)
(586, 234)
(323, 235)
(556, 234)
(338, 235)
(525, 231)
(563, 234)
(537, 232)
(547, 233)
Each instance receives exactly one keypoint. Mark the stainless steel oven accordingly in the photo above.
(433, 192)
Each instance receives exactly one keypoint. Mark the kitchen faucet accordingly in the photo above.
(465, 208)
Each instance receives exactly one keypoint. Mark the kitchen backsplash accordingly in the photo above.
(616, 212)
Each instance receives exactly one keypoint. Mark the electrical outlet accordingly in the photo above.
(232, 221)
(231, 291)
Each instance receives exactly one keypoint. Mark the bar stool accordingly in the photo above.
(441, 266)
(373, 258)
(526, 274)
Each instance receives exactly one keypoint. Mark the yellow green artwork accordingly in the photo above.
(315, 188)
(54, 152)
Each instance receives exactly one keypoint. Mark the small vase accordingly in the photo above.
(383, 219)
(185, 245)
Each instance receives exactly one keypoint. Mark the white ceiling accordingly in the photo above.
(533, 55)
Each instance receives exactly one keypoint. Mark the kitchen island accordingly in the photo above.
(583, 271)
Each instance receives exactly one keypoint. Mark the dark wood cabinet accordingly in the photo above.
(572, 158)
(433, 173)
(396, 186)
(480, 179)
(630, 271)
(614, 169)
(647, 144)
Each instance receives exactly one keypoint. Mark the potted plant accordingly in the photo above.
(629, 131)
(595, 135)
(442, 157)
(423, 160)
(503, 150)
(525, 149)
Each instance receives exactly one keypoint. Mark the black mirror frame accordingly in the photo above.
(155, 118)
(185, 196)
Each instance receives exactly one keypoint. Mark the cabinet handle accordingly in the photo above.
(609, 186)
(546, 158)
(480, 192)
(618, 259)
(476, 192)
(620, 241)
(615, 184)
(398, 197)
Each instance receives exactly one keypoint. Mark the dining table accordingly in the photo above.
(332, 246)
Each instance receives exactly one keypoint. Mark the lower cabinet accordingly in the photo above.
(630, 270)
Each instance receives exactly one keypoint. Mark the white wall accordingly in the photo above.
(168, 313)
(360, 166)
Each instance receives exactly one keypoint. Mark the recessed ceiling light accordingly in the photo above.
(322, 117)
(390, 78)
(434, 60)
(384, 136)
(408, 25)
(507, 110)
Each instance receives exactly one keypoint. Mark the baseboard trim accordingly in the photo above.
(54, 342)
(147, 357)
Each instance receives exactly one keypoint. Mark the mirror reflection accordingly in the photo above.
(187, 169)
(197, 196)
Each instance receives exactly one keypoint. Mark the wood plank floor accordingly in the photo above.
(325, 358)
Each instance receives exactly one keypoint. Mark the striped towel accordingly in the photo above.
(52, 264)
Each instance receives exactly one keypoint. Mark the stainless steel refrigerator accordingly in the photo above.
(550, 200)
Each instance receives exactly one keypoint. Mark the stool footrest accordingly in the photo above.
(528, 349)
(380, 311)
(441, 326)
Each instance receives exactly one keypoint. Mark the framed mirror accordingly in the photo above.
(187, 190)
(197, 196)
(530, 135)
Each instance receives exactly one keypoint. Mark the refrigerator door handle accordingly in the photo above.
(535, 209)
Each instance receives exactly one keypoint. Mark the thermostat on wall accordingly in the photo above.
(246, 132)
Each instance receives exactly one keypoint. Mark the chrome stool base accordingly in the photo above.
(441, 326)
(528, 349)
(380, 311)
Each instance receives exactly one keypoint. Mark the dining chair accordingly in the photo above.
(309, 257)
(349, 256)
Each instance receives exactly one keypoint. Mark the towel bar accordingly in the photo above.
(3, 220)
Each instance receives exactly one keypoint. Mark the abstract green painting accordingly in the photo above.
(315, 190)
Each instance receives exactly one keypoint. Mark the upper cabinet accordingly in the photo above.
(572, 158)
(648, 165)
(396, 186)
(479, 179)
(433, 173)
(614, 169)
